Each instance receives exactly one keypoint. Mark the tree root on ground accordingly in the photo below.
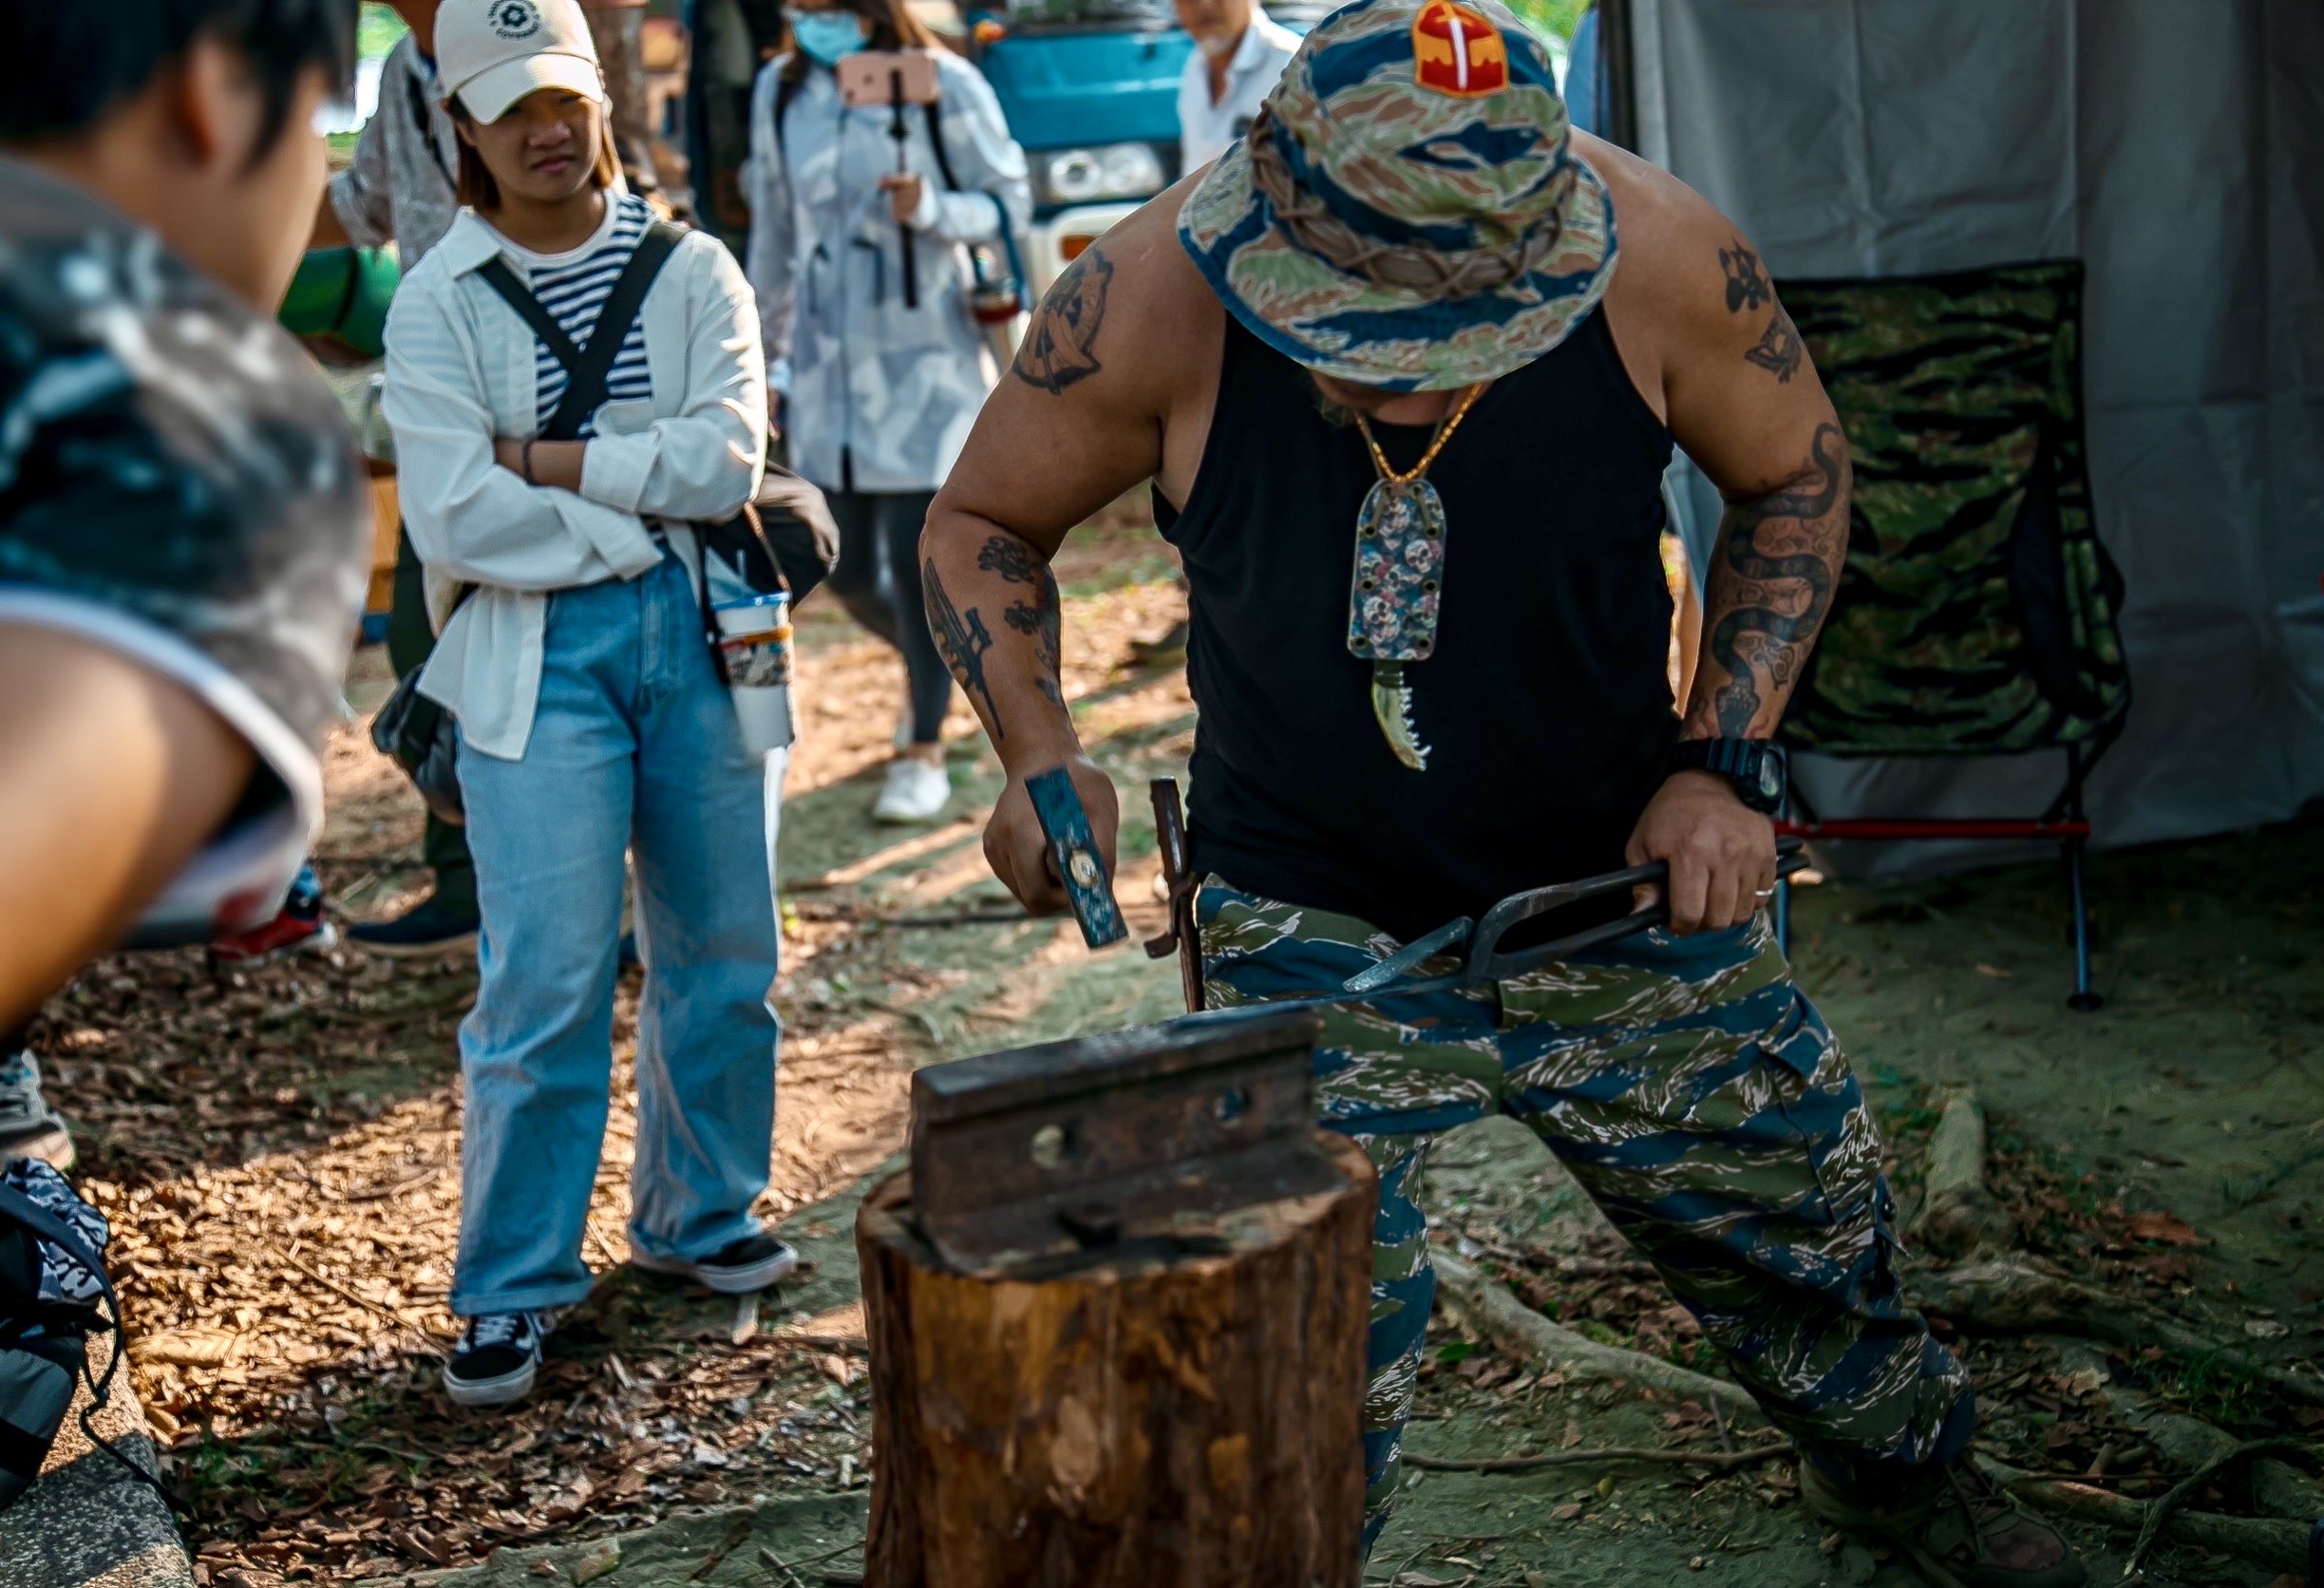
(2280, 1546)
(2008, 1296)
(1496, 1312)
(1957, 1215)
(2187, 1487)
(2012, 1296)
(1715, 1460)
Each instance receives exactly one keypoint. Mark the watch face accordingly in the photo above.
(1771, 777)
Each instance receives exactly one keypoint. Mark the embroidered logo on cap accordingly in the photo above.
(1458, 52)
(514, 19)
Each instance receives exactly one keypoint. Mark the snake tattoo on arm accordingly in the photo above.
(1780, 557)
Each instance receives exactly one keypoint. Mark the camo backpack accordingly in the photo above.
(53, 1296)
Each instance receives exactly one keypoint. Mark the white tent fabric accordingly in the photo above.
(2178, 150)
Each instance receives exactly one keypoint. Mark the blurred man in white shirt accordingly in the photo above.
(1239, 54)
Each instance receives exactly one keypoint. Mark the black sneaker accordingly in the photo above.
(496, 1358)
(429, 929)
(737, 1268)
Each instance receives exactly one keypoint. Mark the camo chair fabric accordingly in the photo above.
(1977, 612)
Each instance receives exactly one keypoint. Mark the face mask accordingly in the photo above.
(828, 36)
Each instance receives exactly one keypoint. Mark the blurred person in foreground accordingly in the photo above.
(183, 533)
(878, 394)
(556, 522)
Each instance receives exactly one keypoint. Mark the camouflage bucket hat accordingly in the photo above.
(1407, 210)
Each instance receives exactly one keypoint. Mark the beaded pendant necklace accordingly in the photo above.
(1399, 575)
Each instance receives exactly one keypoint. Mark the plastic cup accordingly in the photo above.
(754, 636)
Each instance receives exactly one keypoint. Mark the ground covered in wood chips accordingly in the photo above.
(277, 1151)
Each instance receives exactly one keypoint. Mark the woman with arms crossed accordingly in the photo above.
(564, 583)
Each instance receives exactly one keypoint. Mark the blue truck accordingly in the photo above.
(1089, 88)
(1090, 91)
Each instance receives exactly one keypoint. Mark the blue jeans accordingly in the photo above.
(633, 744)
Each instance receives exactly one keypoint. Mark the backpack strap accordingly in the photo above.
(586, 368)
(787, 90)
(944, 160)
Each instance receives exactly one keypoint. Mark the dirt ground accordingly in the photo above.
(279, 1153)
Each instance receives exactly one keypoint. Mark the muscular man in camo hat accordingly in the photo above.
(1405, 419)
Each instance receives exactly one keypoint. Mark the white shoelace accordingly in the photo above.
(499, 1329)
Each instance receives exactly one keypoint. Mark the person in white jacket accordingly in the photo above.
(881, 392)
(564, 579)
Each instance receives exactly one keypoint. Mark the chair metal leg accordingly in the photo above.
(2083, 1000)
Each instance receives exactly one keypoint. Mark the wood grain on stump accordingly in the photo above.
(1141, 1419)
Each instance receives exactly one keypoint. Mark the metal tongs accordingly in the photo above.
(1484, 962)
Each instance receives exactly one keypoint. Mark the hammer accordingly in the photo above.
(1073, 855)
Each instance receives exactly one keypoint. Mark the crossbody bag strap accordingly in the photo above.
(935, 139)
(587, 368)
(1007, 238)
(518, 296)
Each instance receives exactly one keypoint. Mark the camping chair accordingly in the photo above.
(1976, 614)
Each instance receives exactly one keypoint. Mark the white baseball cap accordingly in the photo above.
(491, 53)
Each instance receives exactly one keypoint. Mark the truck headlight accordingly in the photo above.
(1108, 171)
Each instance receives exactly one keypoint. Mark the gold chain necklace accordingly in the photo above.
(1399, 568)
(1436, 442)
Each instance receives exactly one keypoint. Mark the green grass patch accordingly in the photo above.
(1552, 18)
(377, 30)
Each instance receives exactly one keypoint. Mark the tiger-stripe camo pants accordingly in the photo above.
(1698, 1097)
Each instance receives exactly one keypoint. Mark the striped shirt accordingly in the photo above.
(573, 287)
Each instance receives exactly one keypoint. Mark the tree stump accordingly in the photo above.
(1129, 1419)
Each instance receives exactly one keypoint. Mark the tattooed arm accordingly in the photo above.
(1694, 311)
(1746, 405)
(1094, 404)
(1768, 590)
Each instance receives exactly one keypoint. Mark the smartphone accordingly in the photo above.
(872, 77)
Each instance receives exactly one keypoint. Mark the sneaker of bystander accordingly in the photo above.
(29, 1127)
(496, 1358)
(738, 1268)
(299, 927)
(429, 929)
(915, 791)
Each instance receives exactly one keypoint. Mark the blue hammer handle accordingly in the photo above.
(1073, 852)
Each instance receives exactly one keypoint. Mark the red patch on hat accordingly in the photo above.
(1458, 52)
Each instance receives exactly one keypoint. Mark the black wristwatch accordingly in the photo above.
(1753, 765)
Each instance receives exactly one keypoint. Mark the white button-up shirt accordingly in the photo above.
(1205, 130)
(460, 370)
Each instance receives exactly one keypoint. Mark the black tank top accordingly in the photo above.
(1546, 706)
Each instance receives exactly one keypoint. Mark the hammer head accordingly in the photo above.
(1141, 1142)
